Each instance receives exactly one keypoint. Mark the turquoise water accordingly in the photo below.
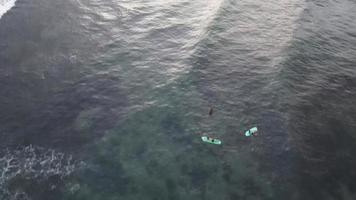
(109, 100)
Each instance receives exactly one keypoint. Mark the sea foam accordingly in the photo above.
(35, 165)
(6, 5)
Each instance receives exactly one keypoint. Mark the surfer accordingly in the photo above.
(211, 140)
(251, 132)
(210, 111)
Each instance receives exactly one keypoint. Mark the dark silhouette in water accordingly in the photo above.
(211, 111)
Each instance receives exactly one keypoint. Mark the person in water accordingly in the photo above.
(210, 111)
(253, 133)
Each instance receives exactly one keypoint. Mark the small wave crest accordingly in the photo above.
(6, 5)
(36, 164)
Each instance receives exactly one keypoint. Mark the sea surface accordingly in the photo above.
(107, 100)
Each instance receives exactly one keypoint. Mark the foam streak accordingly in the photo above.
(6, 5)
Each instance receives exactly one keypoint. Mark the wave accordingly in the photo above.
(6, 5)
(35, 165)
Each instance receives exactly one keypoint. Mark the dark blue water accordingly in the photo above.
(108, 100)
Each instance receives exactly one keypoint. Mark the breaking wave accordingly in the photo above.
(34, 164)
(6, 5)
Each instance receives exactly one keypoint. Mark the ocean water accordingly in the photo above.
(108, 99)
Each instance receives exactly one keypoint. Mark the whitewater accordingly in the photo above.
(6, 5)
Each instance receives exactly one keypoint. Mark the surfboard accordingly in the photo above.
(210, 140)
(251, 131)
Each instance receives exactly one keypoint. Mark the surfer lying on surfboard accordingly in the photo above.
(210, 140)
(251, 132)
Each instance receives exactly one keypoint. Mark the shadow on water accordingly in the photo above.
(73, 115)
(50, 95)
(304, 110)
(317, 78)
(323, 132)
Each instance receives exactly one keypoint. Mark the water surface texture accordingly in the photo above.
(108, 99)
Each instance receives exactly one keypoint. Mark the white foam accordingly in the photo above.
(32, 163)
(6, 5)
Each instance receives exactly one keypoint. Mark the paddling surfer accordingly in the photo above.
(210, 111)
